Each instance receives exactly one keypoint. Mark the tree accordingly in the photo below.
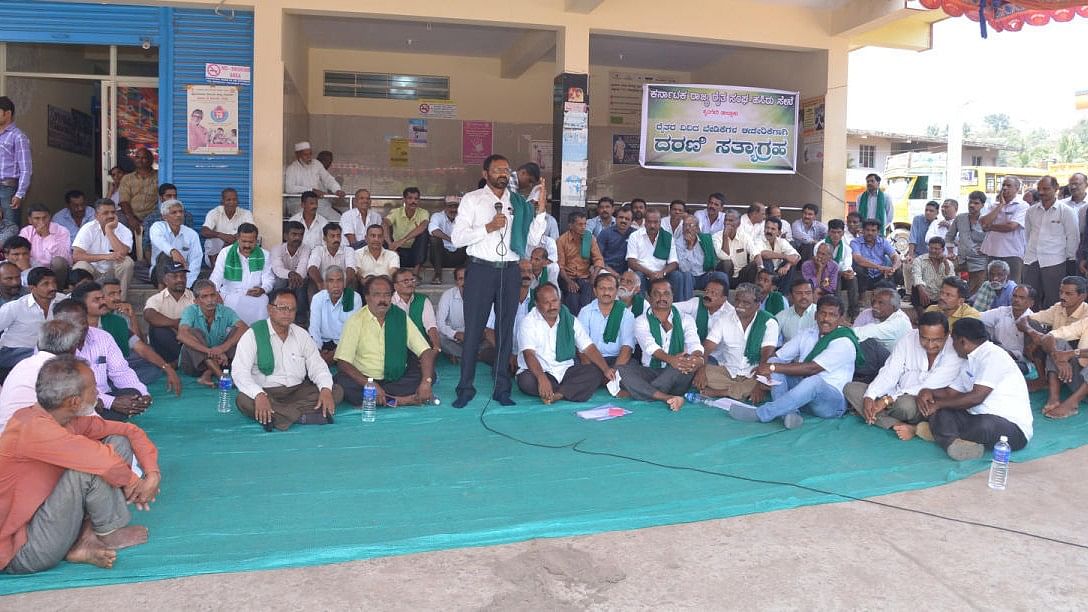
(997, 123)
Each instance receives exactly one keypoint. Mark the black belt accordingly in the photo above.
(492, 264)
(12, 182)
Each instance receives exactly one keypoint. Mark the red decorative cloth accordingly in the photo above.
(1012, 15)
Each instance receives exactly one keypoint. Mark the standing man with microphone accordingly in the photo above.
(499, 229)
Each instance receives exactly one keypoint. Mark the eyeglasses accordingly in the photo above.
(407, 281)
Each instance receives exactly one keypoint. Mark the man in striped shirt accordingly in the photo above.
(15, 165)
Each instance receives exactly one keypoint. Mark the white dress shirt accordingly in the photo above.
(887, 332)
(186, 241)
(477, 209)
(751, 231)
(536, 335)
(907, 370)
(299, 177)
(649, 344)
(314, 236)
(385, 265)
(792, 323)
(218, 221)
(297, 358)
(639, 247)
(691, 308)
(327, 317)
(248, 308)
(351, 222)
(837, 360)
(283, 262)
(735, 250)
(451, 313)
(1007, 244)
(1002, 328)
(20, 387)
(990, 366)
(430, 321)
(1052, 235)
(93, 241)
(21, 320)
(322, 259)
(706, 226)
(442, 222)
(731, 337)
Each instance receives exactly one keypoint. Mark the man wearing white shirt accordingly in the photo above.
(709, 308)
(102, 247)
(56, 337)
(878, 329)
(305, 174)
(497, 233)
(652, 254)
(329, 309)
(332, 252)
(1078, 197)
(1001, 322)
(451, 322)
(1004, 225)
(811, 371)
(1052, 240)
(417, 306)
(549, 340)
(731, 344)
(800, 314)
(924, 359)
(220, 227)
(608, 321)
(731, 248)
(290, 262)
(312, 222)
(711, 219)
(296, 387)
(443, 253)
(775, 253)
(359, 217)
(374, 259)
(751, 222)
(243, 276)
(174, 242)
(671, 351)
(988, 400)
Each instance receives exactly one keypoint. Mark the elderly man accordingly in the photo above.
(1052, 240)
(964, 241)
(652, 254)
(1001, 323)
(612, 241)
(332, 252)
(208, 333)
(671, 351)
(173, 241)
(406, 230)
(330, 309)
(75, 213)
(1061, 345)
(697, 260)
(138, 194)
(243, 276)
(306, 174)
(11, 283)
(801, 313)
(739, 342)
(875, 204)
(68, 477)
(997, 290)
(167, 192)
(579, 261)
(924, 359)
(451, 322)
(1070, 309)
(50, 244)
(381, 345)
(373, 259)
(418, 307)
(609, 323)
(774, 253)
(821, 271)
(952, 301)
(875, 259)
(604, 218)
(279, 372)
(57, 337)
(290, 260)
(221, 224)
(811, 371)
(630, 293)
(359, 217)
(162, 312)
(878, 329)
(102, 247)
(928, 273)
(751, 222)
(1004, 227)
(987, 401)
(121, 394)
(313, 223)
(21, 319)
(443, 253)
(548, 341)
(731, 250)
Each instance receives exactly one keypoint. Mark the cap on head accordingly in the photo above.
(302, 146)
(176, 267)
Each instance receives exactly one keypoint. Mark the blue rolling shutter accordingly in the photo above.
(197, 37)
(71, 23)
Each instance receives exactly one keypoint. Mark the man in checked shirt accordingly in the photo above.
(15, 166)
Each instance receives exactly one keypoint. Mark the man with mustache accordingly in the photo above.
(652, 254)
(609, 321)
(708, 309)
(738, 342)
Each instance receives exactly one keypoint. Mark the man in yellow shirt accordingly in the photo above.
(952, 301)
(1064, 347)
(381, 344)
(406, 231)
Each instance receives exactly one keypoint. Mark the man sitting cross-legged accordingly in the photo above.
(609, 322)
(923, 358)
(280, 374)
(548, 340)
(708, 309)
(208, 333)
(987, 401)
(671, 352)
(451, 323)
(739, 342)
(811, 369)
(879, 329)
(1059, 345)
(67, 479)
(243, 275)
(330, 309)
(162, 312)
(381, 344)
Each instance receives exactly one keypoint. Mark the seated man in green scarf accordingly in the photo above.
(279, 372)
(739, 342)
(811, 371)
(243, 275)
(379, 343)
(671, 351)
(547, 339)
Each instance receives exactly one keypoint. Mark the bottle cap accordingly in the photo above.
(1004, 439)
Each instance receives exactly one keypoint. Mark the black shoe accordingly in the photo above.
(463, 398)
(504, 400)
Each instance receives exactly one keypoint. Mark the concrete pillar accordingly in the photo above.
(570, 120)
(834, 179)
(268, 122)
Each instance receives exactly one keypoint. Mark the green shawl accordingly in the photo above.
(266, 360)
(396, 344)
(116, 326)
(775, 303)
(710, 257)
(232, 267)
(347, 301)
(638, 304)
(612, 326)
(754, 345)
(564, 336)
(415, 312)
(881, 202)
(702, 320)
(825, 341)
(676, 343)
(519, 226)
(663, 246)
(838, 251)
(587, 245)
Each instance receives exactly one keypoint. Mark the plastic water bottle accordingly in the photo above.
(370, 401)
(698, 398)
(999, 467)
(226, 391)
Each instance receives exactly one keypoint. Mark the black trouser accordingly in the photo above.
(488, 286)
(986, 429)
(875, 355)
(579, 383)
(164, 340)
(851, 287)
(403, 386)
(415, 255)
(441, 258)
(575, 300)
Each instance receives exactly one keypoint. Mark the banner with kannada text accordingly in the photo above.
(719, 128)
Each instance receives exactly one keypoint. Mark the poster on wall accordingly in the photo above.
(719, 128)
(137, 123)
(540, 153)
(398, 152)
(417, 133)
(625, 149)
(812, 130)
(476, 140)
(69, 130)
(625, 95)
(212, 111)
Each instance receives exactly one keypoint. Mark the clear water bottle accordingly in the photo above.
(999, 467)
(370, 401)
(698, 398)
(226, 392)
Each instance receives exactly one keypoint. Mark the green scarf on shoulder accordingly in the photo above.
(663, 246)
(753, 346)
(710, 257)
(116, 326)
(232, 267)
(612, 326)
(776, 303)
(519, 226)
(347, 301)
(415, 312)
(676, 343)
(835, 334)
(881, 214)
(638, 304)
(396, 344)
(838, 251)
(266, 360)
(564, 336)
(702, 320)
(587, 244)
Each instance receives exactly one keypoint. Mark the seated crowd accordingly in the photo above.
(789, 320)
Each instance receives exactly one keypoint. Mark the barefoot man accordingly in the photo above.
(924, 358)
(65, 479)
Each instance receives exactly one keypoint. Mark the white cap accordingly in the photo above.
(301, 146)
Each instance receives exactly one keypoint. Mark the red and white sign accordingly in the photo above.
(225, 73)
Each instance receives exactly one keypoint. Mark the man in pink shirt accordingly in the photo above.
(50, 244)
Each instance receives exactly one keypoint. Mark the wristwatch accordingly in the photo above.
(772, 368)
(428, 380)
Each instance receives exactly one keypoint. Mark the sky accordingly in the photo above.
(1030, 75)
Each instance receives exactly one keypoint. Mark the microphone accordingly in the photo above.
(498, 207)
